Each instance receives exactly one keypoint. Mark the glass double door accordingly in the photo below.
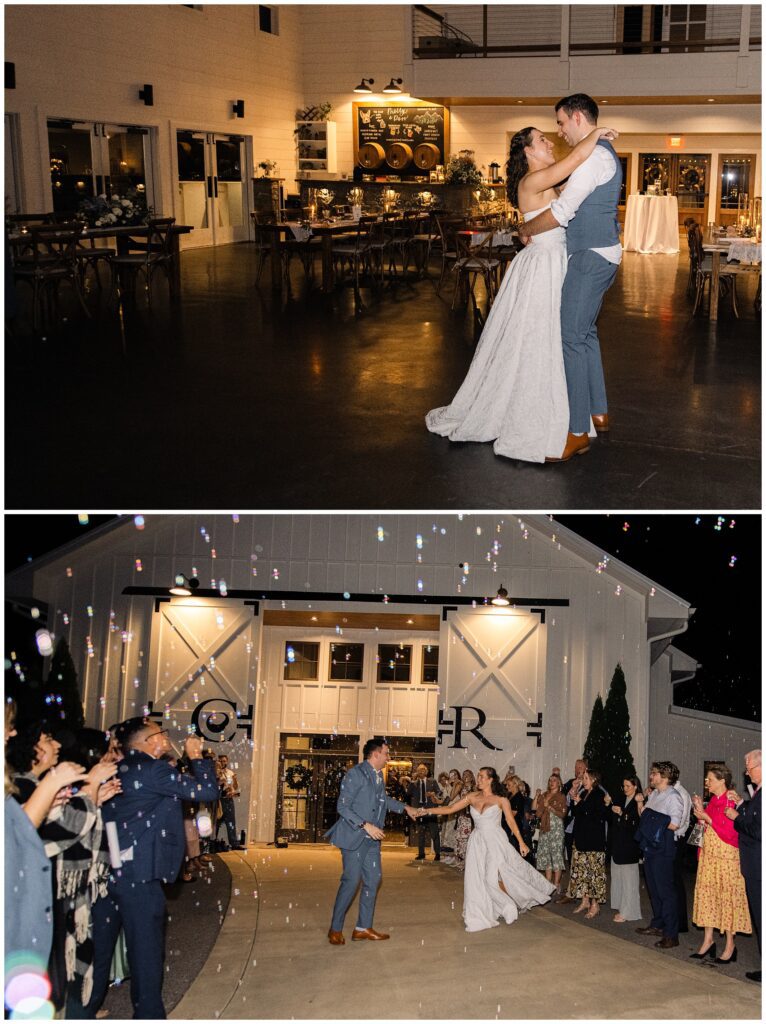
(311, 769)
(89, 158)
(211, 187)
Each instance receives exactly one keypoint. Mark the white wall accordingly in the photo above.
(87, 62)
(689, 738)
(705, 128)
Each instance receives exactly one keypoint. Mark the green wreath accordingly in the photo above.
(298, 776)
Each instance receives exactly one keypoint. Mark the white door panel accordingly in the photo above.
(492, 682)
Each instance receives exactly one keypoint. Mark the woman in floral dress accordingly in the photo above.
(720, 899)
(551, 808)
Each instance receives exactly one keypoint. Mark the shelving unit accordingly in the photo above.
(316, 148)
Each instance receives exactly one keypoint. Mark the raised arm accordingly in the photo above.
(452, 808)
(547, 177)
(201, 785)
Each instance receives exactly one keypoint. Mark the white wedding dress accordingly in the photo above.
(490, 858)
(515, 391)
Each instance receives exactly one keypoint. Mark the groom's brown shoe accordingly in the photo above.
(601, 423)
(336, 938)
(577, 444)
(367, 933)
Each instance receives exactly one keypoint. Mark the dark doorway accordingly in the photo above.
(632, 24)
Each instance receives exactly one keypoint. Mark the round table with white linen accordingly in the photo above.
(651, 224)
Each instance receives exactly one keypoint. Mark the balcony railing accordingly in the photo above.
(525, 30)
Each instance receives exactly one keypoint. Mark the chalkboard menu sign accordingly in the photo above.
(407, 140)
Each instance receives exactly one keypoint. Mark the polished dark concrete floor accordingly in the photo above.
(237, 399)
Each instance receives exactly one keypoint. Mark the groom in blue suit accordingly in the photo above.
(587, 208)
(358, 832)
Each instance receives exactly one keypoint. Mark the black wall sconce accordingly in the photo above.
(393, 86)
(147, 95)
(10, 75)
(364, 85)
(238, 108)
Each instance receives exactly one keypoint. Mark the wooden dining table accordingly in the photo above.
(324, 229)
(716, 244)
(122, 235)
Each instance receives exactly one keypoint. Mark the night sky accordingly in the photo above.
(714, 562)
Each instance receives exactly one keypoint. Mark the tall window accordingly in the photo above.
(687, 21)
(301, 660)
(268, 19)
(735, 181)
(430, 663)
(346, 661)
(394, 663)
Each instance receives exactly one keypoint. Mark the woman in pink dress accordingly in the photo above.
(720, 900)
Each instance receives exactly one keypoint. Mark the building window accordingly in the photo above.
(431, 663)
(394, 661)
(301, 660)
(735, 181)
(268, 20)
(687, 21)
(346, 661)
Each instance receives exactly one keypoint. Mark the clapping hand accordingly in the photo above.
(109, 789)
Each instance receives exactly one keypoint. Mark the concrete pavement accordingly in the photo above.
(273, 961)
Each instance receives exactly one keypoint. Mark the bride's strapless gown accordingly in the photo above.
(490, 858)
(515, 391)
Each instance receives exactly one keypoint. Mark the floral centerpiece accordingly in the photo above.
(104, 211)
(268, 167)
(462, 169)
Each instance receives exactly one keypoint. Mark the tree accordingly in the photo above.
(62, 683)
(595, 744)
(617, 763)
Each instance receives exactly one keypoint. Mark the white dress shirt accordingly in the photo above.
(687, 808)
(596, 170)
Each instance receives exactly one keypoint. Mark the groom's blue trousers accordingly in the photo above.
(587, 279)
(360, 865)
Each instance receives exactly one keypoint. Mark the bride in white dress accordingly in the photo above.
(515, 391)
(499, 883)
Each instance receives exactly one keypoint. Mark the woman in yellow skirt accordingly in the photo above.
(720, 900)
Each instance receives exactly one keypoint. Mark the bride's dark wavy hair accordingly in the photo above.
(498, 789)
(517, 165)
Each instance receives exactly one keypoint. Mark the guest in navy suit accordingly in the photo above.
(747, 822)
(148, 815)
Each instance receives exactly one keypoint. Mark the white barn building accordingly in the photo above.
(310, 633)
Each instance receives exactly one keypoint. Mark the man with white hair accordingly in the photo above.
(747, 822)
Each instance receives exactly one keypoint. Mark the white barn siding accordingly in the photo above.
(605, 622)
(689, 738)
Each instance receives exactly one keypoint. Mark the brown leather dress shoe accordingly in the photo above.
(601, 423)
(336, 938)
(649, 931)
(577, 444)
(367, 933)
(666, 943)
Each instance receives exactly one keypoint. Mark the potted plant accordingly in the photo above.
(462, 170)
